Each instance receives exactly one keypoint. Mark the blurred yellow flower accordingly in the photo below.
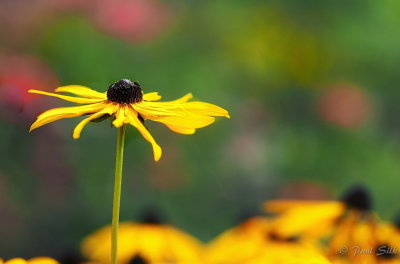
(125, 101)
(318, 218)
(38, 260)
(353, 230)
(144, 243)
(255, 242)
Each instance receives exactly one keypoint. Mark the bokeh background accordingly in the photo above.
(312, 88)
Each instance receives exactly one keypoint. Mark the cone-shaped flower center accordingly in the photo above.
(358, 198)
(138, 260)
(125, 92)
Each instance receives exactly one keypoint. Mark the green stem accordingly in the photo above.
(117, 193)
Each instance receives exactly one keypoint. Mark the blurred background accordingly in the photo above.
(312, 88)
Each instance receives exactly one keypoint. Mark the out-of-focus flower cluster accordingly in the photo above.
(299, 231)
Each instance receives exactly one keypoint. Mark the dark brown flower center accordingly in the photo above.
(125, 92)
(358, 198)
(150, 216)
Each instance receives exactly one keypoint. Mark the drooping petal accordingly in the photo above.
(65, 112)
(152, 110)
(181, 130)
(189, 121)
(120, 117)
(73, 99)
(134, 121)
(202, 108)
(81, 91)
(154, 96)
(110, 109)
(180, 117)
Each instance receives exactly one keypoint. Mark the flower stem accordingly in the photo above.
(117, 193)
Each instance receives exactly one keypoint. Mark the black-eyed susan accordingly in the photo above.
(255, 242)
(317, 217)
(38, 260)
(144, 243)
(347, 223)
(125, 102)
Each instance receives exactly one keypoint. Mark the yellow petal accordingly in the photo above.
(78, 100)
(186, 121)
(81, 91)
(280, 206)
(173, 114)
(65, 112)
(181, 130)
(154, 110)
(151, 97)
(183, 99)
(134, 121)
(151, 110)
(304, 218)
(120, 117)
(162, 108)
(82, 109)
(78, 129)
(202, 108)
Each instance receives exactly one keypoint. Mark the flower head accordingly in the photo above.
(348, 222)
(317, 217)
(144, 243)
(127, 104)
(254, 242)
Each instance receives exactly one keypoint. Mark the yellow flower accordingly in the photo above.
(318, 218)
(349, 224)
(144, 243)
(125, 101)
(38, 260)
(255, 242)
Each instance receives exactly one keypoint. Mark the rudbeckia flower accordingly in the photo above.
(255, 242)
(127, 104)
(144, 243)
(38, 260)
(347, 223)
(317, 217)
